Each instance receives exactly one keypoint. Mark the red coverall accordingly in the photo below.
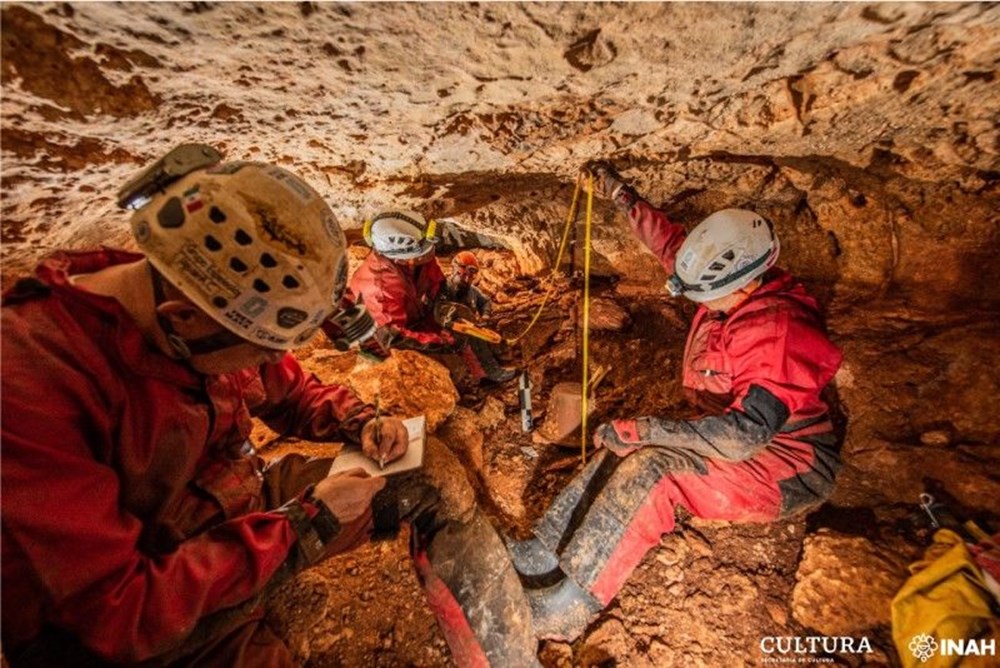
(401, 301)
(402, 298)
(765, 450)
(129, 510)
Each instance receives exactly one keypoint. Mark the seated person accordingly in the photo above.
(400, 283)
(460, 287)
(756, 362)
(138, 524)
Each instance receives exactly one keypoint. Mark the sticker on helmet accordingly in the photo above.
(297, 186)
(141, 231)
(261, 334)
(238, 319)
(289, 317)
(341, 283)
(228, 167)
(202, 273)
(278, 232)
(192, 199)
(317, 318)
(333, 229)
(254, 306)
(305, 336)
(686, 260)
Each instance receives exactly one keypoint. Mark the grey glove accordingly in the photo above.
(623, 437)
(608, 183)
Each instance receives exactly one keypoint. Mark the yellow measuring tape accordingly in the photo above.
(586, 319)
(570, 218)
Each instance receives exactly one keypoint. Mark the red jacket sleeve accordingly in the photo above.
(652, 227)
(68, 541)
(293, 402)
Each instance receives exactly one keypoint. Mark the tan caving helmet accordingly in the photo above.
(723, 253)
(250, 244)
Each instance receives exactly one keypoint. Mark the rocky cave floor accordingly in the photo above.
(711, 590)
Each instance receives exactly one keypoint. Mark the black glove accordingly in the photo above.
(609, 184)
(405, 498)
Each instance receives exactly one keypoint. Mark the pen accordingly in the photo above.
(378, 433)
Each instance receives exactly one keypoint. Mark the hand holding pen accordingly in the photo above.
(384, 439)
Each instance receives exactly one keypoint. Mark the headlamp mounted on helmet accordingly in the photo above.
(175, 165)
(675, 286)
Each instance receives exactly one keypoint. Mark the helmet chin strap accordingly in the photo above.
(181, 347)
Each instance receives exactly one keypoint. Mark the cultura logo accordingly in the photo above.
(923, 647)
(815, 645)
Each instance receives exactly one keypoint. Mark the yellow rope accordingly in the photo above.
(570, 218)
(586, 319)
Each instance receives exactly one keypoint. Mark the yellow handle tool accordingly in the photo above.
(465, 327)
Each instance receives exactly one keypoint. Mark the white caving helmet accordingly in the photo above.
(723, 253)
(250, 244)
(400, 235)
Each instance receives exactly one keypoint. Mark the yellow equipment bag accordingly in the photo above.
(943, 615)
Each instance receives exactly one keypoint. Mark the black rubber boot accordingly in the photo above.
(562, 611)
(495, 373)
(536, 565)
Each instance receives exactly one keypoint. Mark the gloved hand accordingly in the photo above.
(447, 312)
(609, 184)
(408, 497)
(383, 339)
(348, 494)
(389, 444)
(621, 437)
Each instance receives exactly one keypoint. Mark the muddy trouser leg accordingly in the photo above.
(465, 571)
(603, 524)
(475, 594)
(473, 364)
(492, 369)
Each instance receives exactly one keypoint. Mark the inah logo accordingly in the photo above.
(923, 647)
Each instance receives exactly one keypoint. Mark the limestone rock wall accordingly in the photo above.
(867, 131)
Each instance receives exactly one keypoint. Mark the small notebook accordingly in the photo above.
(352, 457)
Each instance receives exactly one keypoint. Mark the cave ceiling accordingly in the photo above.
(868, 132)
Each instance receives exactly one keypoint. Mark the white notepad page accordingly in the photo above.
(352, 457)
